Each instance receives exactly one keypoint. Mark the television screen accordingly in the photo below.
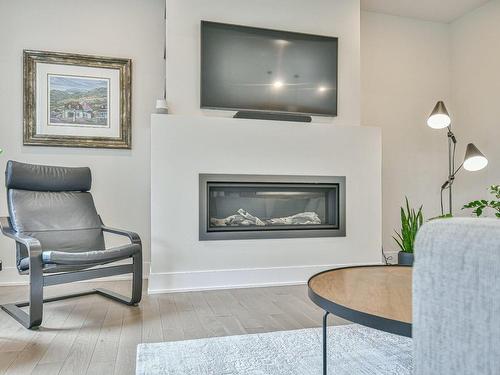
(246, 68)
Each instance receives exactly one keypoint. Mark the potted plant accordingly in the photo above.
(480, 205)
(411, 221)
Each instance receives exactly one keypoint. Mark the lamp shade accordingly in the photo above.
(439, 118)
(474, 159)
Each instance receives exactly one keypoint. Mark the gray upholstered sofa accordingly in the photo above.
(456, 298)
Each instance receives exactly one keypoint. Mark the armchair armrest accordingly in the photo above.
(32, 244)
(132, 236)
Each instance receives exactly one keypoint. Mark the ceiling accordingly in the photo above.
(430, 10)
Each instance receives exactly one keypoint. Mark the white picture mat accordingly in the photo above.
(43, 128)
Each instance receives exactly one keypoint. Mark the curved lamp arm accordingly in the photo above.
(450, 180)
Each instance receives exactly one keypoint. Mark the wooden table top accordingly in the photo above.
(382, 291)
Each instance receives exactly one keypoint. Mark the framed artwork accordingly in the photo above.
(76, 100)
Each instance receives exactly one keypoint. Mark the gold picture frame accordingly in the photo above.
(73, 100)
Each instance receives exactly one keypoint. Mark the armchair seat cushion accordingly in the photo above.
(83, 259)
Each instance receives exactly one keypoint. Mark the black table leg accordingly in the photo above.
(325, 326)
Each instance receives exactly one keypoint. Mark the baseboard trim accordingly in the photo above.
(10, 277)
(189, 281)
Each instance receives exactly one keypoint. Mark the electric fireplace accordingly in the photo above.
(255, 206)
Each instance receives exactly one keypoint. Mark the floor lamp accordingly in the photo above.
(474, 160)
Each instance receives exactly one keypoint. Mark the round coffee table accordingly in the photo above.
(374, 296)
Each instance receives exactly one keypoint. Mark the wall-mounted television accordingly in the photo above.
(253, 69)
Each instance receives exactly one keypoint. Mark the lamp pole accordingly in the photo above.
(452, 141)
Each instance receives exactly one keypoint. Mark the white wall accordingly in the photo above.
(333, 18)
(405, 67)
(118, 28)
(184, 146)
(475, 69)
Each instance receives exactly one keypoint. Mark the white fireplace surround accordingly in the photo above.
(182, 147)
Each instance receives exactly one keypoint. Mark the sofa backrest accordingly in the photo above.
(456, 297)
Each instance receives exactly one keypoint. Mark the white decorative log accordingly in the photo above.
(243, 218)
(298, 219)
(253, 219)
(233, 220)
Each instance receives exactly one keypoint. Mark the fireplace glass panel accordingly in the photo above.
(266, 207)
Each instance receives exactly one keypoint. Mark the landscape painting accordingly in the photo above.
(78, 101)
(74, 100)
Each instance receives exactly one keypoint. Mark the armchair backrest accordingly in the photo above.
(53, 204)
(456, 297)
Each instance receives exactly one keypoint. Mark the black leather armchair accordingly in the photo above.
(59, 236)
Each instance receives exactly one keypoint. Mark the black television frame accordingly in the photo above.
(282, 32)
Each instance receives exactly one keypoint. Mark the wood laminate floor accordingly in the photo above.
(95, 335)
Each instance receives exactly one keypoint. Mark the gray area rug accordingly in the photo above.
(352, 350)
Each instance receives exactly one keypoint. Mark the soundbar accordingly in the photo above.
(257, 115)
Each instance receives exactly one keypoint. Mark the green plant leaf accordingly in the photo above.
(399, 243)
(479, 206)
(411, 221)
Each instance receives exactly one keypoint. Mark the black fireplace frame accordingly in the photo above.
(234, 234)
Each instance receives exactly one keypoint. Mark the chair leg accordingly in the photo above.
(22, 317)
(137, 279)
(36, 292)
(14, 309)
(136, 285)
(34, 317)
